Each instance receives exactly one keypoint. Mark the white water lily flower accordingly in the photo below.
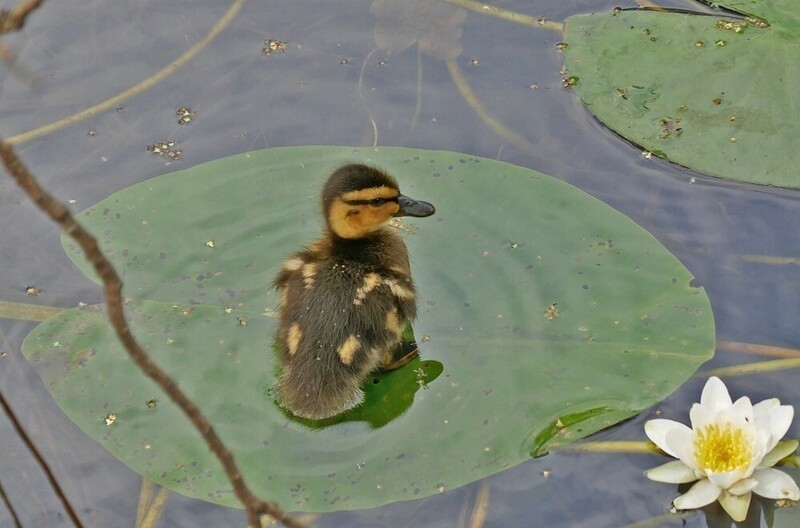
(730, 451)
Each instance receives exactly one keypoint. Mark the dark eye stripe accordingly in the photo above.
(372, 201)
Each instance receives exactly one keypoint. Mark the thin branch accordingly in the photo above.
(14, 18)
(40, 459)
(9, 507)
(520, 18)
(112, 288)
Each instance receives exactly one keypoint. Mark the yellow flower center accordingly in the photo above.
(719, 448)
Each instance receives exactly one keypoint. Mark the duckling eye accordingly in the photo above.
(377, 202)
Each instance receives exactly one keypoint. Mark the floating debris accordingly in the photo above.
(165, 148)
(569, 82)
(273, 46)
(736, 27)
(110, 419)
(185, 115)
(551, 312)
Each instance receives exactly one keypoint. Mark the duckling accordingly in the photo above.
(345, 299)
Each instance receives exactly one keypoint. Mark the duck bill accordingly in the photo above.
(411, 207)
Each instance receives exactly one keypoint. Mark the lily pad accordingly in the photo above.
(544, 316)
(712, 93)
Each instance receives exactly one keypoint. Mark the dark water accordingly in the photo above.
(332, 85)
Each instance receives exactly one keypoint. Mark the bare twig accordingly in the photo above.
(9, 507)
(14, 18)
(40, 459)
(112, 289)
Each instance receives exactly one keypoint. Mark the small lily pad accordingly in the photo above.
(713, 93)
(544, 316)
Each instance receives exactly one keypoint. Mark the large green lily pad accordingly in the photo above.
(712, 93)
(545, 316)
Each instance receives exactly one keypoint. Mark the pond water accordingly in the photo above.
(333, 85)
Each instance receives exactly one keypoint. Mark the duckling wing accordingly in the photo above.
(337, 321)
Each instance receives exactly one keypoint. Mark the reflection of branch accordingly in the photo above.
(14, 19)
(112, 289)
(472, 100)
(40, 459)
(361, 95)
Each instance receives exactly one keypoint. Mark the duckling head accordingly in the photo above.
(358, 200)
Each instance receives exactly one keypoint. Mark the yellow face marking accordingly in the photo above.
(352, 216)
(308, 271)
(398, 290)
(370, 193)
(393, 323)
(371, 281)
(348, 349)
(293, 264)
(293, 338)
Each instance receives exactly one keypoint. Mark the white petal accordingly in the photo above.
(656, 430)
(743, 409)
(700, 416)
(763, 407)
(726, 479)
(780, 418)
(781, 451)
(743, 486)
(774, 484)
(675, 472)
(701, 494)
(715, 395)
(735, 505)
(680, 444)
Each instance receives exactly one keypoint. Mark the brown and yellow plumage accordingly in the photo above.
(345, 299)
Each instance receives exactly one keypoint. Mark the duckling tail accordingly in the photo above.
(316, 397)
